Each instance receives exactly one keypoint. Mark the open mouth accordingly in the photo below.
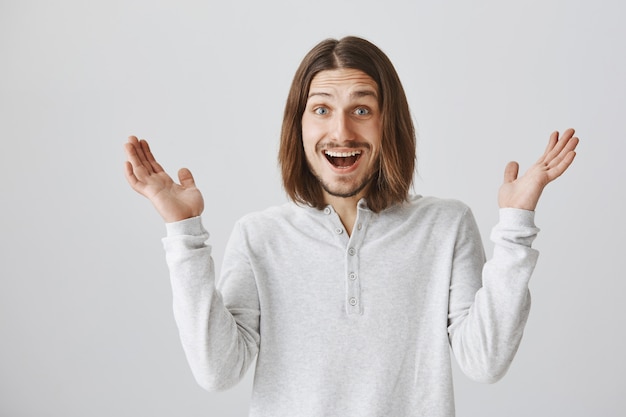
(342, 160)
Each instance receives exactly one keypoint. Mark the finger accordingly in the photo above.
(138, 167)
(134, 151)
(130, 175)
(569, 133)
(131, 151)
(566, 162)
(554, 138)
(511, 171)
(558, 145)
(139, 159)
(134, 143)
(133, 156)
(562, 166)
(156, 167)
(141, 152)
(185, 178)
(130, 146)
(568, 147)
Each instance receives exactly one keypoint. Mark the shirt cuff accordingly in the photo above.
(514, 217)
(188, 227)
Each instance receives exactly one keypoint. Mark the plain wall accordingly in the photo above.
(85, 304)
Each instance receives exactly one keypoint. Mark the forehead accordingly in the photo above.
(342, 80)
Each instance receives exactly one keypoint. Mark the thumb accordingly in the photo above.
(185, 178)
(511, 171)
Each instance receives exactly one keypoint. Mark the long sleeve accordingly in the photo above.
(220, 344)
(487, 319)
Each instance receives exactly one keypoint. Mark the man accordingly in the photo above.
(350, 296)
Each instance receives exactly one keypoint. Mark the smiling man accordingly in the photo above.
(352, 296)
(341, 136)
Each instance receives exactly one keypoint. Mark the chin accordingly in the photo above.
(345, 191)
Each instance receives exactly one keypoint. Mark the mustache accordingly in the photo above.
(349, 145)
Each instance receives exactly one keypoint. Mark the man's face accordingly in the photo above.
(342, 131)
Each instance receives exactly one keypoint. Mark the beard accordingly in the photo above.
(345, 190)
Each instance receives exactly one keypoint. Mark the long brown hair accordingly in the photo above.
(397, 155)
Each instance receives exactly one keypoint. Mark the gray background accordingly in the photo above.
(85, 305)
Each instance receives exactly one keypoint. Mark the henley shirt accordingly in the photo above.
(360, 325)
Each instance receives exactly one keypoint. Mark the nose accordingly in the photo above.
(343, 129)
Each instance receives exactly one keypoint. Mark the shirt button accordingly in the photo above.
(352, 251)
(352, 276)
(327, 210)
(359, 226)
(338, 231)
(353, 301)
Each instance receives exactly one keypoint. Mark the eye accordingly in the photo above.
(321, 111)
(361, 111)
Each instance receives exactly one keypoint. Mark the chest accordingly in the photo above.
(377, 271)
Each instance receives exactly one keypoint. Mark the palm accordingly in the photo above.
(173, 201)
(524, 192)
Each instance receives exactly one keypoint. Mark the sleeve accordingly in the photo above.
(220, 341)
(490, 302)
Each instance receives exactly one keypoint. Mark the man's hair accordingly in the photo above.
(396, 165)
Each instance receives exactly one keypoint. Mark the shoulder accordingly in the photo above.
(439, 216)
(269, 214)
(437, 221)
(428, 207)
(275, 218)
(276, 225)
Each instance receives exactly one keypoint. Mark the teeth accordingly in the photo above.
(342, 154)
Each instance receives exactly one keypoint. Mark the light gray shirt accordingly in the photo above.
(357, 325)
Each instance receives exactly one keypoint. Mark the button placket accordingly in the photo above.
(354, 302)
(352, 245)
(336, 225)
(353, 286)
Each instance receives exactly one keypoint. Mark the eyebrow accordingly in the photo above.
(354, 94)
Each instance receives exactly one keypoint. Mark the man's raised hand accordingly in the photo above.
(524, 192)
(174, 202)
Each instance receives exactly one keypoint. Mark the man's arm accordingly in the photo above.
(489, 302)
(219, 344)
(487, 317)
